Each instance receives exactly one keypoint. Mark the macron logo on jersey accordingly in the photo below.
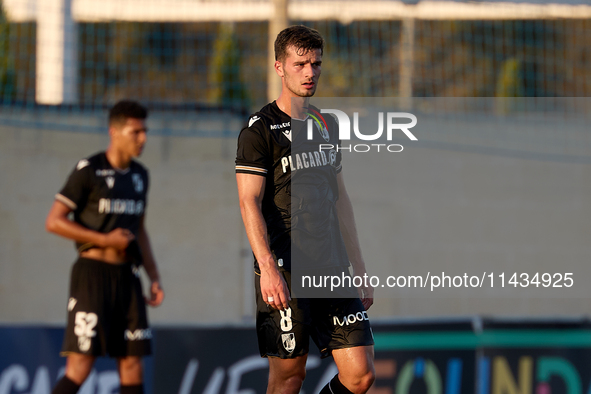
(82, 163)
(287, 134)
(252, 120)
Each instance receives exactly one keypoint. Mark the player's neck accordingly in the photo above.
(117, 159)
(293, 106)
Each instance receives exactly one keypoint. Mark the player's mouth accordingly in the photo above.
(309, 85)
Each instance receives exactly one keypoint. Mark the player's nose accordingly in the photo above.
(143, 137)
(309, 71)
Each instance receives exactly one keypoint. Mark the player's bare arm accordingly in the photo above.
(156, 292)
(250, 193)
(57, 222)
(349, 232)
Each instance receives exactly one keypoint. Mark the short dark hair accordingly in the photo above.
(126, 109)
(302, 38)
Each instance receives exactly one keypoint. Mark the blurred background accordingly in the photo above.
(201, 66)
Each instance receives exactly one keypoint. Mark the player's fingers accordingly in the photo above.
(154, 301)
(367, 302)
(282, 302)
(159, 297)
(269, 299)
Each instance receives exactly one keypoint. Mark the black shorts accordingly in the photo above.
(106, 311)
(333, 323)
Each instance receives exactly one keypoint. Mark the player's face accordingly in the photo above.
(131, 137)
(300, 72)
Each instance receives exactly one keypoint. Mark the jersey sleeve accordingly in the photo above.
(253, 155)
(75, 192)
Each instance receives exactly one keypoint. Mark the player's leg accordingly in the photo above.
(283, 337)
(78, 367)
(131, 374)
(342, 328)
(84, 338)
(130, 338)
(356, 371)
(286, 375)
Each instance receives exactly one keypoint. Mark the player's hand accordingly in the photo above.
(156, 294)
(366, 295)
(119, 238)
(274, 289)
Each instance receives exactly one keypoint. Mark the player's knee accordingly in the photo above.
(360, 380)
(366, 380)
(130, 370)
(293, 374)
(78, 367)
(289, 378)
(294, 382)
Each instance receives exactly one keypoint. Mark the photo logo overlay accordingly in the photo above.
(390, 119)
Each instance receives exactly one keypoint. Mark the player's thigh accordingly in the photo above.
(130, 370)
(282, 334)
(89, 316)
(340, 323)
(285, 368)
(130, 334)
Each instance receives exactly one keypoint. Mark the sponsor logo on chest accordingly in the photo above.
(300, 160)
(120, 206)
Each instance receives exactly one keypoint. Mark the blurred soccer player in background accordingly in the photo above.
(106, 193)
(266, 167)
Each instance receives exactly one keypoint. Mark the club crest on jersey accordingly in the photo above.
(138, 182)
(324, 132)
(321, 129)
(288, 341)
(110, 181)
(320, 124)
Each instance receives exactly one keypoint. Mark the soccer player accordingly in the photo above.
(266, 166)
(106, 310)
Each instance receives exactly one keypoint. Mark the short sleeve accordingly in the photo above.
(253, 155)
(75, 191)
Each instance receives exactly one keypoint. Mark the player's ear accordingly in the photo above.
(279, 68)
(114, 130)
